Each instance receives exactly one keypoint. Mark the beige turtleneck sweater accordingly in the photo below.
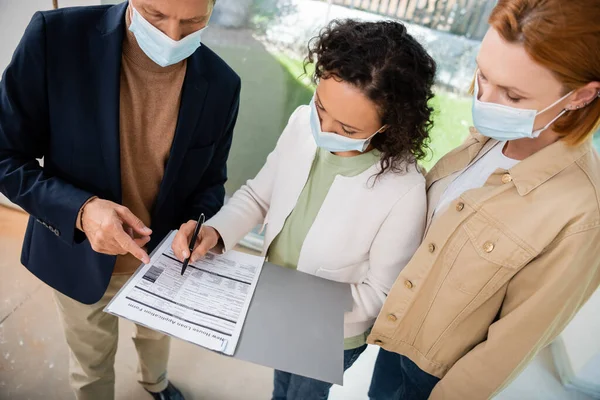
(149, 106)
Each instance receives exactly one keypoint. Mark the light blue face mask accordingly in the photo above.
(159, 47)
(333, 142)
(505, 123)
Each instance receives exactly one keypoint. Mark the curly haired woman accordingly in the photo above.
(341, 195)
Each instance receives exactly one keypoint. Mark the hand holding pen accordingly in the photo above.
(206, 238)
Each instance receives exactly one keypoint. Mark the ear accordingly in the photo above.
(584, 96)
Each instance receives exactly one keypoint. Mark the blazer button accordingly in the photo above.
(378, 342)
(488, 247)
(392, 318)
(460, 207)
(431, 247)
(506, 178)
(408, 284)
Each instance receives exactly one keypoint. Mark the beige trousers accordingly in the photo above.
(92, 337)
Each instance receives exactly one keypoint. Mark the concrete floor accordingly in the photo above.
(34, 356)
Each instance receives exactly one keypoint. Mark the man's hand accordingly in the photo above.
(111, 229)
(208, 238)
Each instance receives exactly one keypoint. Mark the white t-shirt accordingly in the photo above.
(476, 175)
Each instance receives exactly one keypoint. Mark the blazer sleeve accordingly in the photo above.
(25, 137)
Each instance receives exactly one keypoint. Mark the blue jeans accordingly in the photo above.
(295, 387)
(396, 377)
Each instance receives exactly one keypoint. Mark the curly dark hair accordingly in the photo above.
(393, 70)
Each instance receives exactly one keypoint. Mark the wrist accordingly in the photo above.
(219, 248)
(80, 215)
(216, 233)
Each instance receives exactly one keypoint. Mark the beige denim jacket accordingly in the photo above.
(500, 272)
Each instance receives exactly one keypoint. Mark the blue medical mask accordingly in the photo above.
(159, 47)
(505, 123)
(333, 142)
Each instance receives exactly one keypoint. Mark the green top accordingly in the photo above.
(285, 249)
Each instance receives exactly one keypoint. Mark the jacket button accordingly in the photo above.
(408, 284)
(378, 342)
(506, 178)
(431, 247)
(392, 318)
(488, 247)
(460, 207)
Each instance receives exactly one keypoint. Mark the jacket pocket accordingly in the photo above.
(487, 251)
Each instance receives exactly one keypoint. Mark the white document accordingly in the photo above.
(206, 306)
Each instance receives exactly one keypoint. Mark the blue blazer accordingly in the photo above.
(59, 99)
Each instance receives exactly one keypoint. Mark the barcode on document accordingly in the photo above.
(153, 273)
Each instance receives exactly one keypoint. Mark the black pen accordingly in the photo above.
(193, 242)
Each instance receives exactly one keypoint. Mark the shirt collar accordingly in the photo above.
(459, 158)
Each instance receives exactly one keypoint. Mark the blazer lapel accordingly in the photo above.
(193, 97)
(105, 82)
(287, 190)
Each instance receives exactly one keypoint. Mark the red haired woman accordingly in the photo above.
(512, 244)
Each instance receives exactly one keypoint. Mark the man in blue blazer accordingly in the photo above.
(133, 118)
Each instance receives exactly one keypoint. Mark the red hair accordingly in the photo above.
(564, 37)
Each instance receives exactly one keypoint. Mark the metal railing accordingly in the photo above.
(460, 17)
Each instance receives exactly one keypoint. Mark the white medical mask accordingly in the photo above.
(159, 47)
(333, 142)
(505, 123)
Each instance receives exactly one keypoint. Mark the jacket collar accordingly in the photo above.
(527, 175)
(459, 158)
(545, 164)
(113, 19)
